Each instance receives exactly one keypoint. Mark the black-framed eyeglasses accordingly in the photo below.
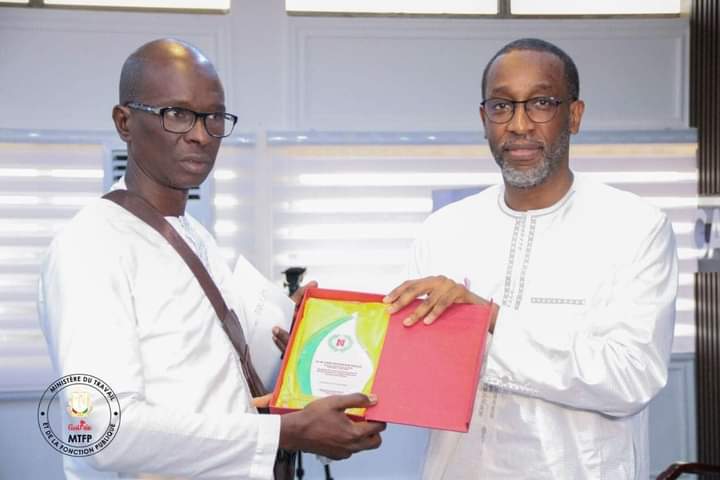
(181, 120)
(538, 109)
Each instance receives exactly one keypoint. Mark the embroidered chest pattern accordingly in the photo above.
(518, 242)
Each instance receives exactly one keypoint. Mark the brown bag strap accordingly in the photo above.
(284, 467)
(142, 209)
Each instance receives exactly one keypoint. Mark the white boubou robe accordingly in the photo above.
(587, 292)
(116, 301)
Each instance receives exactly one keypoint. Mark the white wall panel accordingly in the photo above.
(60, 69)
(413, 74)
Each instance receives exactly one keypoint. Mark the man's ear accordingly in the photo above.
(121, 118)
(577, 108)
(484, 121)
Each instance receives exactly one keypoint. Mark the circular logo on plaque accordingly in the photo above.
(340, 342)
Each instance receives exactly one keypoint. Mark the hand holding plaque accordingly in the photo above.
(347, 342)
(336, 351)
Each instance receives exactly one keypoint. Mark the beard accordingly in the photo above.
(534, 176)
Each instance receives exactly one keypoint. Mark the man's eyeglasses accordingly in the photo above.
(182, 120)
(538, 109)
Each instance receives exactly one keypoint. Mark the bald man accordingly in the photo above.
(118, 303)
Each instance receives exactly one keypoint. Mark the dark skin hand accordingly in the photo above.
(281, 336)
(323, 428)
(440, 291)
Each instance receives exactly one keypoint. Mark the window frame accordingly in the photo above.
(42, 4)
(504, 11)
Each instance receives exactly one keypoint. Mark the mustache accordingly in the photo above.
(522, 143)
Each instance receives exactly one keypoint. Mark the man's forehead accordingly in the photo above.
(174, 69)
(175, 77)
(528, 69)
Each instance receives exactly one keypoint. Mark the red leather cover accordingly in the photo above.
(427, 376)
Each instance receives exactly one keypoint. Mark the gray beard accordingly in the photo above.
(533, 177)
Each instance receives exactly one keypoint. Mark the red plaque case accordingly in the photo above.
(427, 376)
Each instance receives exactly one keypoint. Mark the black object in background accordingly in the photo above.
(293, 280)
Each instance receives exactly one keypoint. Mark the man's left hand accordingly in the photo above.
(280, 335)
(262, 402)
(298, 295)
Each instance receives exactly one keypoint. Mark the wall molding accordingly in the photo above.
(315, 137)
(103, 137)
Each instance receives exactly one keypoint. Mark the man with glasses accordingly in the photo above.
(583, 278)
(119, 303)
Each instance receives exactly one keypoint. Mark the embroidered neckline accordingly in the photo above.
(540, 212)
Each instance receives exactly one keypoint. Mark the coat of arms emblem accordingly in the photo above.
(79, 404)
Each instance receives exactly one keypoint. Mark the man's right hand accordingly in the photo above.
(440, 292)
(324, 428)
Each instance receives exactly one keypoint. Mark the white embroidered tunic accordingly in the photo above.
(582, 343)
